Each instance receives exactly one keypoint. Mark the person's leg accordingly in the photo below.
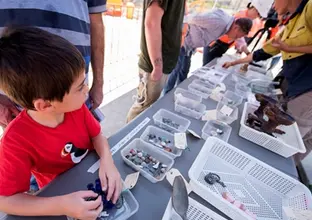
(148, 92)
(185, 68)
(301, 109)
(206, 55)
(173, 76)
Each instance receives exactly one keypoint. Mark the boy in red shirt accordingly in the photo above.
(45, 74)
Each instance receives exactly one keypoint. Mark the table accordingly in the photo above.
(147, 193)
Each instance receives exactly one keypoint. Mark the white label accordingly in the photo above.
(277, 92)
(121, 143)
(226, 110)
(265, 117)
(298, 213)
(194, 134)
(131, 180)
(210, 115)
(180, 141)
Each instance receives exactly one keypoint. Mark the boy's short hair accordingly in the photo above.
(245, 24)
(37, 64)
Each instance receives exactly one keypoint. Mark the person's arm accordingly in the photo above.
(97, 58)
(73, 205)
(301, 49)
(108, 173)
(153, 35)
(241, 46)
(246, 59)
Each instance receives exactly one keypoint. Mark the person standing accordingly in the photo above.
(78, 21)
(295, 45)
(160, 45)
(202, 29)
(256, 10)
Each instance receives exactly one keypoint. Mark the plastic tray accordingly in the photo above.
(285, 145)
(213, 125)
(189, 107)
(186, 94)
(129, 208)
(262, 189)
(214, 76)
(139, 144)
(162, 113)
(228, 119)
(165, 135)
(196, 211)
(232, 99)
(242, 89)
(200, 90)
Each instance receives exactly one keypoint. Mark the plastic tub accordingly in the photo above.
(207, 84)
(200, 90)
(129, 208)
(262, 189)
(213, 76)
(187, 94)
(189, 107)
(159, 155)
(231, 99)
(242, 89)
(178, 124)
(211, 127)
(228, 119)
(152, 130)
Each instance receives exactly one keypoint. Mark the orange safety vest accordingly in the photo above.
(257, 25)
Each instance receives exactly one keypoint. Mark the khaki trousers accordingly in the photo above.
(148, 92)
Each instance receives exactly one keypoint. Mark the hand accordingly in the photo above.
(77, 207)
(156, 74)
(227, 65)
(278, 43)
(110, 180)
(8, 111)
(96, 95)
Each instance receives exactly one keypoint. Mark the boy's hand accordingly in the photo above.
(77, 207)
(110, 179)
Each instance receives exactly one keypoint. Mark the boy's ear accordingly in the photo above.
(42, 105)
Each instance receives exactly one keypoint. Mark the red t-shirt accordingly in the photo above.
(28, 147)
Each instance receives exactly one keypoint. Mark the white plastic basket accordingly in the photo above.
(262, 189)
(285, 145)
(196, 211)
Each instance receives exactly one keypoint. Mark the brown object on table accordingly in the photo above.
(268, 116)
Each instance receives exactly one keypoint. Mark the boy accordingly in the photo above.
(45, 74)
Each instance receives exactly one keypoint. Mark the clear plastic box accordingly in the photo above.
(162, 157)
(242, 89)
(228, 119)
(213, 126)
(186, 94)
(152, 130)
(182, 124)
(231, 99)
(207, 84)
(189, 107)
(200, 90)
(212, 76)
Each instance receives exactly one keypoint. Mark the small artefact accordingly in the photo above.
(107, 205)
(219, 131)
(268, 116)
(212, 178)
